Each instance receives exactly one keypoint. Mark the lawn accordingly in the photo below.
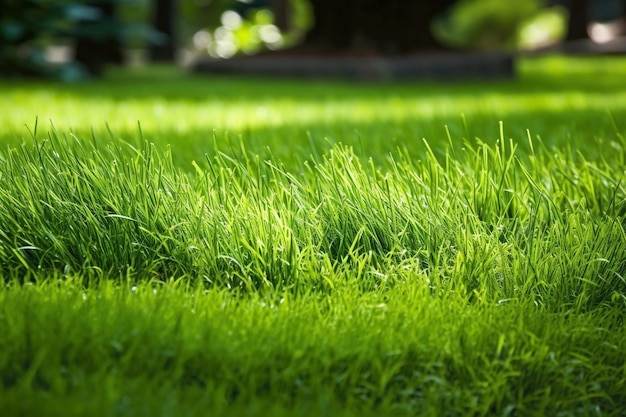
(178, 245)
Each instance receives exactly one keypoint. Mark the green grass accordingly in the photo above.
(561, 101)
(271, 247)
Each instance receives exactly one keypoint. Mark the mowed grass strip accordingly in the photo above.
(453, 276)
(167, 349)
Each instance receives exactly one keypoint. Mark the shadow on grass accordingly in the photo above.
(564, 101)
(540, 75)
(294, 143)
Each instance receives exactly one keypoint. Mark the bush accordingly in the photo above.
(485, 24)
(27, 26)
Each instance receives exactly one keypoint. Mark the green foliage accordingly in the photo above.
(24, 24)
(248, 28)
(202, 13)
(485, 24)
(548, 26)
(28, 26)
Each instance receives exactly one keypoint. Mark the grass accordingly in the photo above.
(560, 102)
(268, 247)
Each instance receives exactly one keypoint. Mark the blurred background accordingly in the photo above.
(77, 40)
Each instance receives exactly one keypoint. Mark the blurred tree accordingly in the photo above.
(373, 26)
(27, 27)
(280, 8)
(583, 12)
(164, 17)
(100, 44)
(485, 24)
(578, 20)
(607, 10)
(378, 26)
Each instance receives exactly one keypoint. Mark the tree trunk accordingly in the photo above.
(280, 9)
(578, 20)
(331, 25)
(164, 21)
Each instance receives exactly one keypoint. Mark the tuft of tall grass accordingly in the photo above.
(484, 221)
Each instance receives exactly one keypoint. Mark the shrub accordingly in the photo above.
(27, 26)
(485, 24)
